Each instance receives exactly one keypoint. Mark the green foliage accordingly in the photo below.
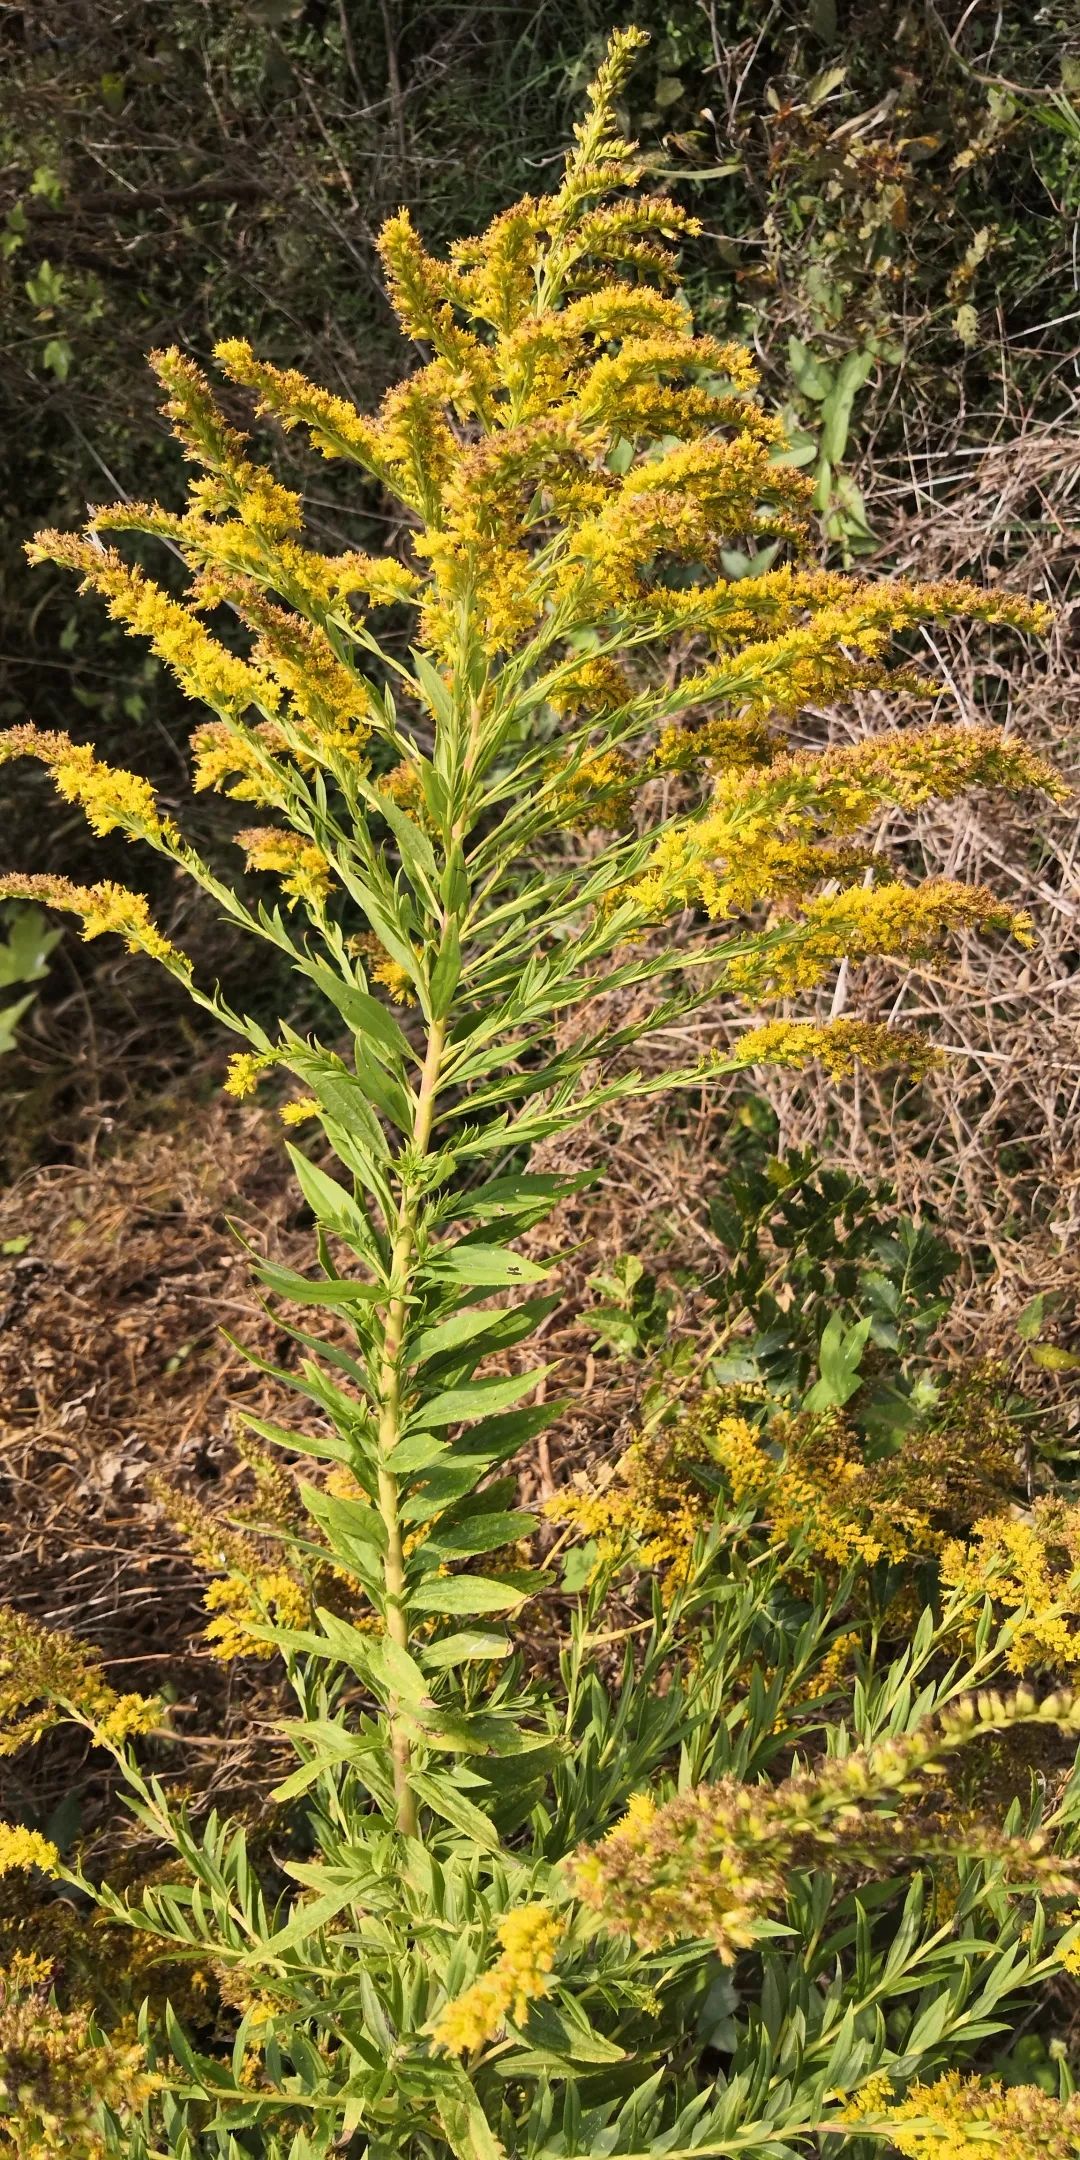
(634, 1311)
(24, 955)
(824, 1274)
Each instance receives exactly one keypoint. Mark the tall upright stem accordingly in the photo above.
(397, 1625)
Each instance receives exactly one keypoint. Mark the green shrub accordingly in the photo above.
(589, 1898)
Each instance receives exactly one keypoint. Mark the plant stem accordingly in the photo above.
(397, 1626)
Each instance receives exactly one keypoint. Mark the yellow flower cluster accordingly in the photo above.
(237, 1602)
(393, 975)
(232, 482)
(715, 1861)
(245, 1592)
(110, 796)
(529, 1937)
(760, 838)
(244, 763)
(304, 870)
(334, 425)
(837, 1045)
(242, 1074)
(1029, 1565)
(103, 908)
(575, 460)
(893, 921)
(652, 1509)
(203, 666)
(47, 1676)
(299, 1111)
(807, 1479)
(968, 2118)
(57, 2073)
(329, 700)
(21, 1848)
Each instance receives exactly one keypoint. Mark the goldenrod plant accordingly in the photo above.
(527, 791)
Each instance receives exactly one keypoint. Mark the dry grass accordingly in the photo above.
(992, 1144)
(113, 1370)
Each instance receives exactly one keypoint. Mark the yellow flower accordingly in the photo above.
(237, 1601)
(530, 1937)
(653, 1508)
(203, 666)
(838, 1045)
(394, 977)
(298, 1112)
(242, 1075)
(305, 872)
(47, 1675)
(21, 1848)
(899, 922)
(334, 425)
(109, 795)
(969, 2118)
(103, 907)
(1030, 1567)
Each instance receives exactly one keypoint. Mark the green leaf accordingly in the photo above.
(329, 1202)
(837, 408)
(438, 1792)
(26, 946)
(463, 1594)
(464, 1646)
(472, 1457)
(481, 1533)
(446, 972)
(343, 1098)
(345, 1518)
(437, 692)
(1050, 1358)
(331, 1290)
(414, 848)
(404, 1677)
(364, 1014)
(10, 1016)
(533, 1193)
(416, 1452)
(488, 1266)
(839, 1358)
(456, 1405)
(498, 1323)
(563, 2027)
(310, 1918)
(468, 2132)
(326, 1447)
(810, 376)
(1031, 1321)
(355, 1533)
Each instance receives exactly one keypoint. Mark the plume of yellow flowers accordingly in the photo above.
(968, 2118)
(1029, 1564)
(574, 460)
(58, 2073)
(808, 1481)
(529, 1937)
(103, 907)
(245, 1592)
(715, 1861)
(20, 1848)
(46, 1676)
